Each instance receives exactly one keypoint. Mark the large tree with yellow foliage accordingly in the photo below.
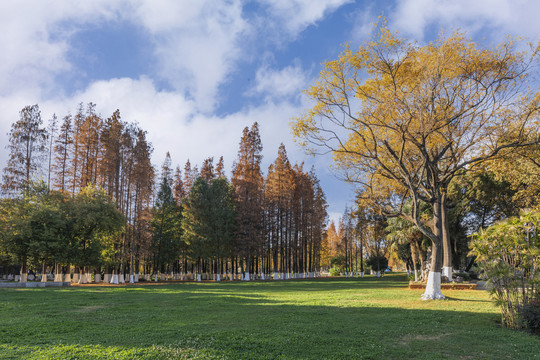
(402, 120)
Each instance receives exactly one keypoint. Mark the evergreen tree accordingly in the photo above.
(165, 227)
(196, 230)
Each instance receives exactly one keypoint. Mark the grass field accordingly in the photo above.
(305, 319)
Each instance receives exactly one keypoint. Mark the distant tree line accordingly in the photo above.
(81, 198)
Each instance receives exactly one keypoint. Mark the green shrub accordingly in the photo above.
(531, 315)
(338, 261)
(508, 253)
(335, 271)
(463, 274)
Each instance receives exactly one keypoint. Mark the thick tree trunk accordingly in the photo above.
(433, 286)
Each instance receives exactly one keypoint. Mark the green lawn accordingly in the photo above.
(305, 319)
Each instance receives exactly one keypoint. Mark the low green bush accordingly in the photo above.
(531, 315)
(335, 271)
(508, 253)
(465, 275)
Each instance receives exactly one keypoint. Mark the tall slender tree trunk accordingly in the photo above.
(447, 245)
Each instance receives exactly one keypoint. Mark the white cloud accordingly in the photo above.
(278, 84)
(498, 17)
(296, 15)
(197, 44)
(34, 46)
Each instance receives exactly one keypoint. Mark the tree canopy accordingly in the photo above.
(402, 120)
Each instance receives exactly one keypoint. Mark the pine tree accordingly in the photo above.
(27, 144)
(165, 228)
(196, 229)
(221, 221)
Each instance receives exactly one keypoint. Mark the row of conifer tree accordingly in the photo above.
(198, 222)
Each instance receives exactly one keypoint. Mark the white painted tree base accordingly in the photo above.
(67, 278)
(447, 271)
(121, 279)
(58, 278)
(218, 278)
(136, 277)
(131, 279)
(361, 274)
(97, 278)
(82, 279)
(433, 287)
(246, 277)
(199, 277)
(114, 279)
(415, 275)
(378, 274)
(107, 278)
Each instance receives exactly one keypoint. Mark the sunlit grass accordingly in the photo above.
(305, 319)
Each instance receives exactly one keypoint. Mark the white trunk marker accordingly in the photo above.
(433, 287)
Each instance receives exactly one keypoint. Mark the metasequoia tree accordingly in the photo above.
(207, 170)
(51, 132)
(247, 182)
(278, 193)
(178, 186)
(27, 145)
(402, 120)
(220, 168)
(63, 151)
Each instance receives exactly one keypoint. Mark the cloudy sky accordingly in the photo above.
(195, 73)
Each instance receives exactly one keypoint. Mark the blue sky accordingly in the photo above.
(195, 73)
